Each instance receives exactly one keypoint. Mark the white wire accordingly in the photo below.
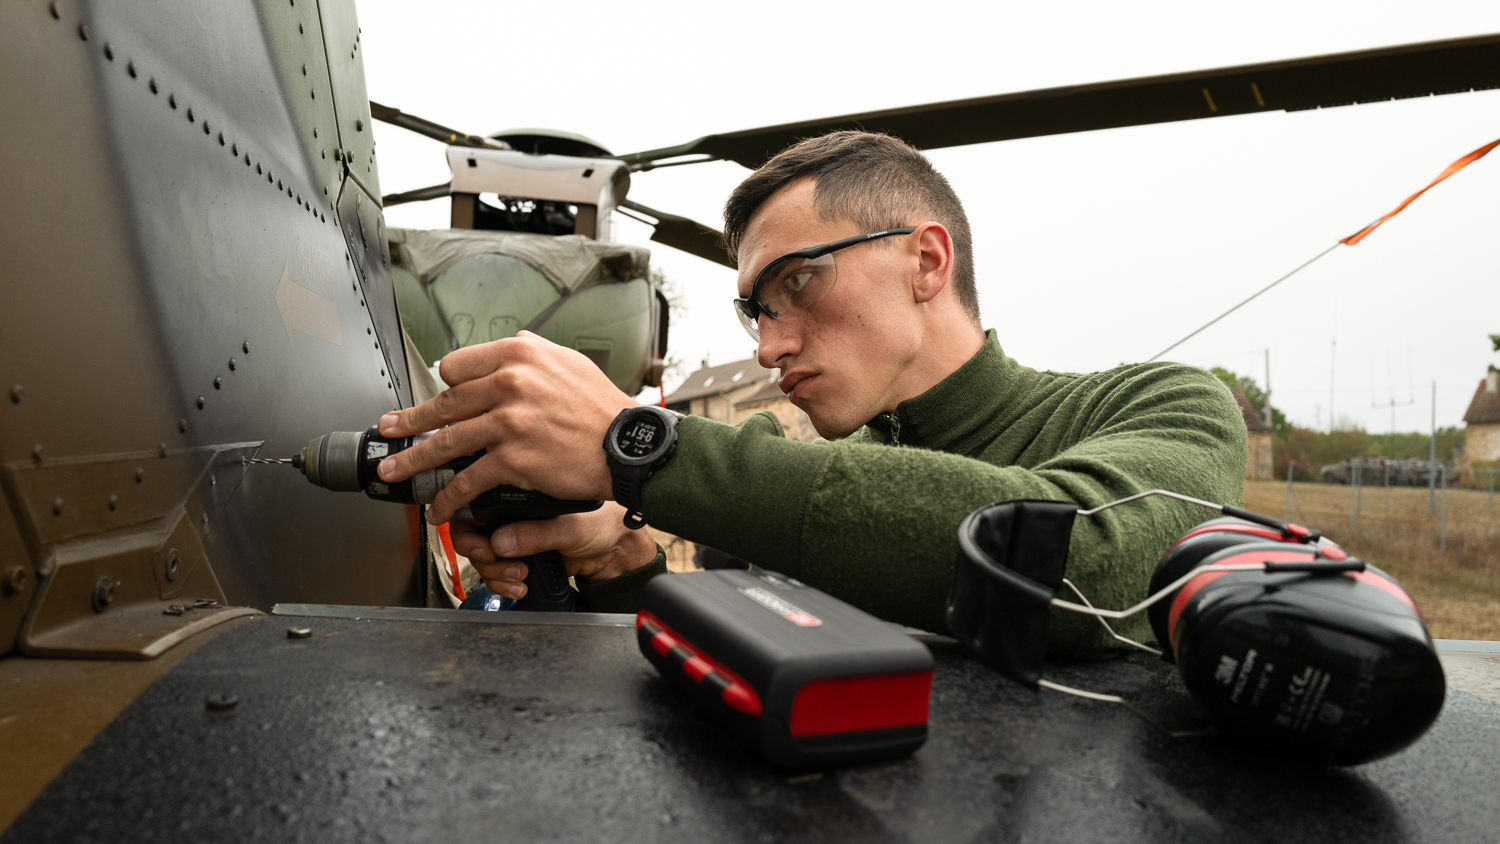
(1133, 643)
(1056, 687)
(1148, 493)
(1134, 710)
(1162, 593)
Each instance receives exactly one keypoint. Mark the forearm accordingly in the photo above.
(740, 489)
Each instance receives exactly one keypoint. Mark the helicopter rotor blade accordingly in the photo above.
(436, 131)
(418, 195)
(687, 235)
(1412, 70)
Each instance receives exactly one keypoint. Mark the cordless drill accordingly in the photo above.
(345, 461)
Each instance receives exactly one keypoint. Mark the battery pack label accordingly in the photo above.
(795, 615)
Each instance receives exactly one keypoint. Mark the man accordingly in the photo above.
(874, 324)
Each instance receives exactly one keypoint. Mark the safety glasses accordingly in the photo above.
(796, 280)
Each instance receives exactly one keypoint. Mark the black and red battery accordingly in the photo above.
(805, 679)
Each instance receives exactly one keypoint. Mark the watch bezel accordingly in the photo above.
(668, 419)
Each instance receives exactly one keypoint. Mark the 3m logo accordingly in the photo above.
(1227, 666)
(793, 614)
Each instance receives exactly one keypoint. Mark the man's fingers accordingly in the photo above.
(463, 401)
(473, 362)
(522, 539)
(472, 540)
(444, 445)
(486, 474)
(568, 535)
(504, 577)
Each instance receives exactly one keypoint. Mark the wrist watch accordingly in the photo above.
(639, 441)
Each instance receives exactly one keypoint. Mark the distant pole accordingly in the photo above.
(1333, 357)
(1359, 504)
(1288, 516)
(1432, 457)
(1268, 386)
(1268, 411)
(1353, 491)
(1387, 464)
(1443, 536)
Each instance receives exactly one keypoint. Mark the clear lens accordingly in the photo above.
(752, 326)
(794, 284)
(789, 285)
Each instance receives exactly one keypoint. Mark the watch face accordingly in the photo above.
(640, 436)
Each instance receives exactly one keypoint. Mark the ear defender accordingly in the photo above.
(1287, 644)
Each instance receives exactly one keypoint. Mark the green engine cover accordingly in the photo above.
(490, 296)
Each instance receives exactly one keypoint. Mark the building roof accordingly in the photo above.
(1253, 423)
(1485, 407)
(713, 380)
(771, 390)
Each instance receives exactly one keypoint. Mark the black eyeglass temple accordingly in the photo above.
(820, 251)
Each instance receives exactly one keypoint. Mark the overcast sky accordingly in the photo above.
(1091, 249)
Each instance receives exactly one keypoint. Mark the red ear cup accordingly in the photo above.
(1327, 668)
(1188, 553)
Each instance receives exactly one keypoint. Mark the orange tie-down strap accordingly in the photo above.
(452, 561)
(1452, 168)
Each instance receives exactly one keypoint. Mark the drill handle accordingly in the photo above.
(547, 588)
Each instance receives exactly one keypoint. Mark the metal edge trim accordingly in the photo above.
(1470, 646)
(517, 617)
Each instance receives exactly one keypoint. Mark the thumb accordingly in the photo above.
(564, 534)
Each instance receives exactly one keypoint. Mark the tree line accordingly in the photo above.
(1309, 450)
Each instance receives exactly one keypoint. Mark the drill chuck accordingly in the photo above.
(331, 461)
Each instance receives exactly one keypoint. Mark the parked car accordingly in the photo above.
(1408, 471)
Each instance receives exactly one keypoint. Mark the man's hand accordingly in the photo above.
(596, 546)
(540, 410)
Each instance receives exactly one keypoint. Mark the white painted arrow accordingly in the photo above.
(305, 311)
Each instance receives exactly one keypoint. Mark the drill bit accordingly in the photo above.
(267, 460)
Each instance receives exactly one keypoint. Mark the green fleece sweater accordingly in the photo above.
(873, 518)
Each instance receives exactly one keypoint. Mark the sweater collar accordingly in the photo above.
(956, 413)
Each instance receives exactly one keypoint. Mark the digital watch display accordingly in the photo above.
(638, 442)
(639, 437)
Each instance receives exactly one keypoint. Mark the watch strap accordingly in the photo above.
(627, 488)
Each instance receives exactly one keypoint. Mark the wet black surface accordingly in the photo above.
(381, 730)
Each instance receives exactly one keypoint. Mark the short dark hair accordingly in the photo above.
(871, 179)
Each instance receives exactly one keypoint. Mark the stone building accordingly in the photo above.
(1482, 421)
(1258, 460)
(730, 392)
(794, 422)
(713, 391)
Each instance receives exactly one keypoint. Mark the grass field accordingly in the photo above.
(1455, 583)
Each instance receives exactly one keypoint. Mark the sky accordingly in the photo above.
(1091, 249)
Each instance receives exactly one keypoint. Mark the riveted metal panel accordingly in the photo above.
(346, 68)
(369, 253)
(17, 576)
(177, 284)
(294, 41)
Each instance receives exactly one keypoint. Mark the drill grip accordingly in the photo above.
(547, 588)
